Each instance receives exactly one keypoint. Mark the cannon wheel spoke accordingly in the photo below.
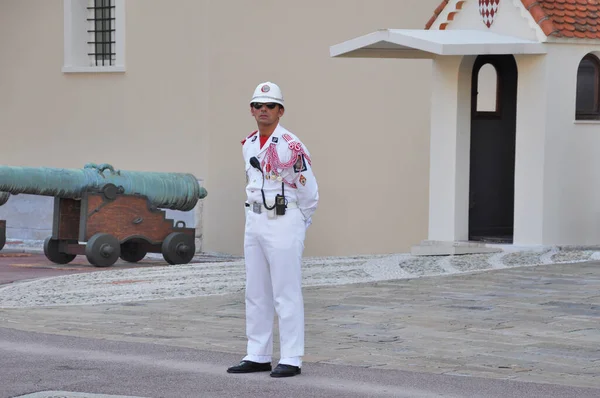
(102, 250)
(178, 248)
(133, 251)
(53, 253)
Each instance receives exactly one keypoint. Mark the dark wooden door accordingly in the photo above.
(492, 168)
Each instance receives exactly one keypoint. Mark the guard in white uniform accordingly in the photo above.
(282, 195)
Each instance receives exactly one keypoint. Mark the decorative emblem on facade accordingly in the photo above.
(488, 10)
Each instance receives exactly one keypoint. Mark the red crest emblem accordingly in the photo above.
(488, 10)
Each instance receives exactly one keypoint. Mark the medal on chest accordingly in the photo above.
(272, 174)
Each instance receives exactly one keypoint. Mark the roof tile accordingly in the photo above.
(537, 13)
(570, 7)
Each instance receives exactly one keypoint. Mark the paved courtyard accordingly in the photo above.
(531, 316)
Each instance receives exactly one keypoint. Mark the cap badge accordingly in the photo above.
(265, 89)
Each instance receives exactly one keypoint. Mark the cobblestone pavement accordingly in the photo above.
(527, 317)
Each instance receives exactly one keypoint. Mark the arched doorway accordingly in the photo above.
(492, 152)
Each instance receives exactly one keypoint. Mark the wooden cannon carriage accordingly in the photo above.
(2, 233)
(4, 196)
(110, 215)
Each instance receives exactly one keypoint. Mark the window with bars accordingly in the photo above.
(94, 36)
(101, 16)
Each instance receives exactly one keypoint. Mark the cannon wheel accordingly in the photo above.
(52, 252)
(102, 250)
(133, 251)
(178, 248)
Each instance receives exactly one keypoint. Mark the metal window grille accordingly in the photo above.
(101, 17)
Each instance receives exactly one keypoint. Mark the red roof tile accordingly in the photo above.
(558, 18)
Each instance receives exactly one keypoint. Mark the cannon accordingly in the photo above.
(107, 214)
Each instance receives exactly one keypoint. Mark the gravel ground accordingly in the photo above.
(227, 276)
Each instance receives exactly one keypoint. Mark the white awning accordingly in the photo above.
(418, 43)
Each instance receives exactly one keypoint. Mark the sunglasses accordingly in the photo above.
(257, 105)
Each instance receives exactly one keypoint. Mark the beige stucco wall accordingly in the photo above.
(364, 121)
(152, 117)
(182, 105)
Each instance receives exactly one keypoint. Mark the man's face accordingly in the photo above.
(267, 113)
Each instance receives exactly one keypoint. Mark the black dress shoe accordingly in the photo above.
(250, 367)
(285, 371)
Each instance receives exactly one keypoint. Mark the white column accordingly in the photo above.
(530, 150)
(450, 148)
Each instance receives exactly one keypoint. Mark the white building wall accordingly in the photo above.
(450, 149)
(572, 164)
(449, 191)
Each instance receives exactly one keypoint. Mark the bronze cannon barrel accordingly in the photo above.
(176, 191)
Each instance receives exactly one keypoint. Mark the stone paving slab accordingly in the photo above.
(531, 323)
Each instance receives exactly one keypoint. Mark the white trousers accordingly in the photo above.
(273, 256)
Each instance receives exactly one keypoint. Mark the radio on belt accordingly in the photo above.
(280, 203)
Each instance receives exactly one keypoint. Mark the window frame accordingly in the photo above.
(497, 114)
(595, 114)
